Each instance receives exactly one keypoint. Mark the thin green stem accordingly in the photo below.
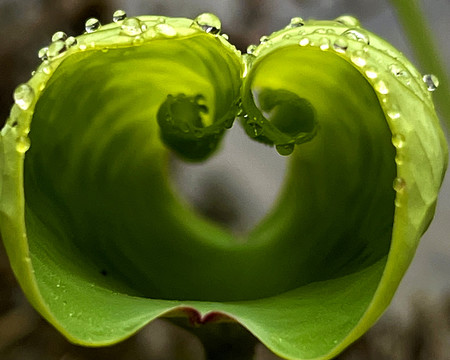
(418, 31)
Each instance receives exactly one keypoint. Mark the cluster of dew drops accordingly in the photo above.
(131, 26)
(24, 94)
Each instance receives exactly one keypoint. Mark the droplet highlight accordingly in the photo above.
(381, 87)
(431, 81)
(23, 96)
(92, 25)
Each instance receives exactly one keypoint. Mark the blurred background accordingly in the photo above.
(244, 177)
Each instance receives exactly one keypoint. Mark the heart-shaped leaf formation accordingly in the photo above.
(101, 243)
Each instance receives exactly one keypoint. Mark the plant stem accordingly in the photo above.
(417, 30)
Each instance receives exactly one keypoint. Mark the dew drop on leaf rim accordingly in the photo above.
(356, 34)
(23, 96)
(56, 48)
(92, 25)
(59, 35)
(398, 140)
(431, 81)
(209, 23)
(285, 149)
(340, 45)
(119, 15)
(132, 27)
(348, 20)
(296, 22)
(43, 54)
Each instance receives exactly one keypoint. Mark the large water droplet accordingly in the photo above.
(92, 25)
(56, 48)
(296, 22)
(263, 39)
(357, 34)
(131, 26)
(399, 184)
(59, 35)
(119, 15)
(166, 30)
(285, 149)
(398, 140)
(348, 20)
(340, 45)
(431, 81)
(209, 23)
(23, 96)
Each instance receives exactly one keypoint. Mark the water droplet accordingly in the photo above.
(56, 48)
(131, 26)
(340, 45)
(399, 184)
(166, 30)
(381, 87)
(304, 42)
(225, 36)
(92, 25)
(348, 20)
(71, 41)
(371, 73)
(398, 140)
(393, 114)
(399, 158)
(119, 15)
(23, 144)
(296, 22)
(324, 44)
(59, 36)
(285, 149)
(23, 96)
(43, 53)
(263, 39)
(358, 58)
(251, 49)
(431, 81)
(356, 34)
(82, 47)
(209, 23)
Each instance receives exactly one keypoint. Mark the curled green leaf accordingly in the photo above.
(100, 241)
